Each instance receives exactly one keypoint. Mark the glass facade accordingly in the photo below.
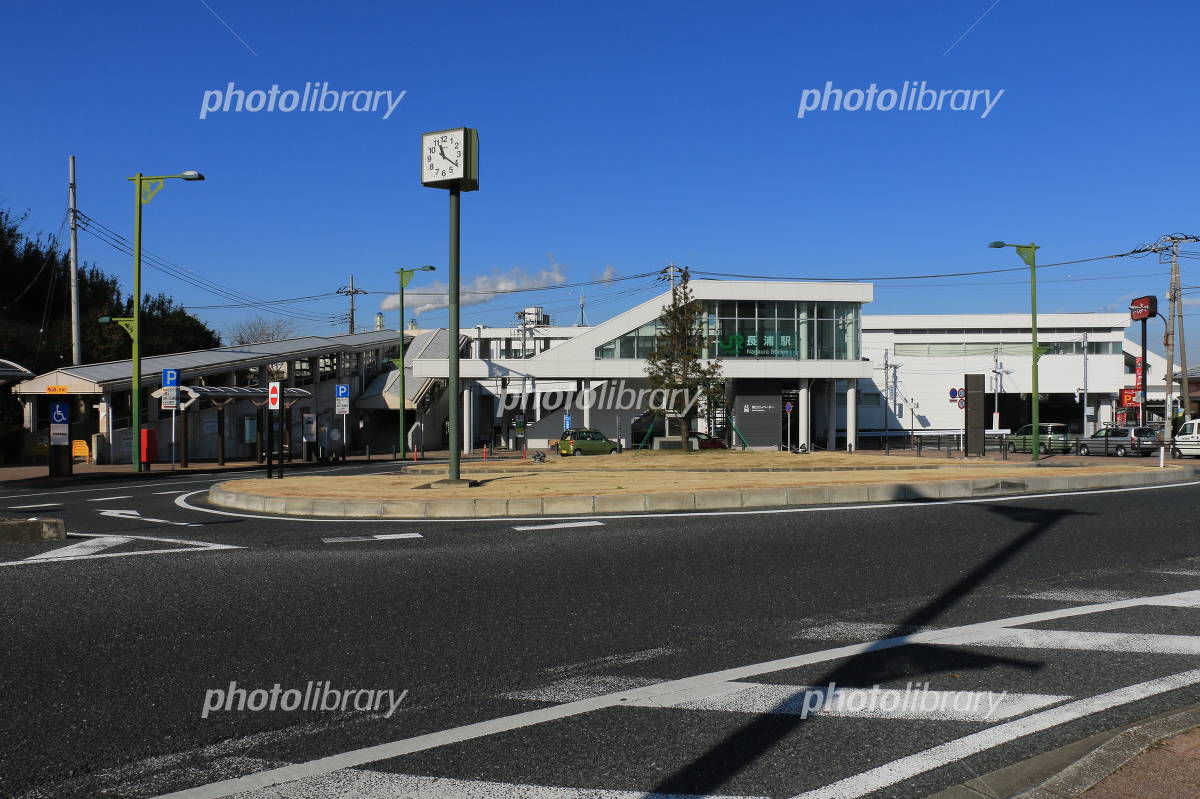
(1005, 348)
(762, 329)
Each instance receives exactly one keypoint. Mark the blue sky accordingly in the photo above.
(620, 137)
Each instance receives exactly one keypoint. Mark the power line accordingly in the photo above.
(843, 279)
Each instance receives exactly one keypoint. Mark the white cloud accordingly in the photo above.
(434, 296)
(609, 272)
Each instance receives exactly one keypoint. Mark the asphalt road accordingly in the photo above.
(685, 654)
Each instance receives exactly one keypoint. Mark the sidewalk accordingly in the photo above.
(1170, 768)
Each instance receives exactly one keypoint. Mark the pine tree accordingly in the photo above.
(678, 368)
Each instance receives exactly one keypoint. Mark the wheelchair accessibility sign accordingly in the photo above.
(60, 424)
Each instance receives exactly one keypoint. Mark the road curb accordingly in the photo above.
(26, 530)
(700, 500)
(1089, 770)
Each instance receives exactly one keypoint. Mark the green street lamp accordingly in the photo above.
(405, 276)
(1028, 253)
(144, 189)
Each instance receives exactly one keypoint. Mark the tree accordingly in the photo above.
(260, 329)
(677, 368)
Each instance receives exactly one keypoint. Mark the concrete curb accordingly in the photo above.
(1088, 771)
(700, 500)
(26, 530)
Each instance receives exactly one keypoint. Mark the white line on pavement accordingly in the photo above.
(1080, 595)
(182, 502)
(109, 499)
(918, 702)
(953, 751)
(382, 537)
(187, 546)
(91, 547)
(363, 784)
(29, 507)
(1075, 639)
(559, 526)
(138, 517)
(159, 493)
(420, 743)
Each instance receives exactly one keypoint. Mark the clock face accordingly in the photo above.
(442, 156)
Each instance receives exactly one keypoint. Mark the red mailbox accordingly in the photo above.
(149, 448)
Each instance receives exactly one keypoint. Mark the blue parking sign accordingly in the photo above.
(342, 390)
(60, 412)
(170, 377)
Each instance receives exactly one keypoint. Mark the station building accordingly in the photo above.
(801, 363)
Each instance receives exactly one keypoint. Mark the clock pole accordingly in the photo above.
(454, 398)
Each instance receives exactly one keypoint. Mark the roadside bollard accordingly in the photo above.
(1162, 452)
(368, 452)
(485, 452)
(524, 455)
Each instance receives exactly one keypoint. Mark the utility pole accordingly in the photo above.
(73, 211)
(351, 292)
(1174, 322)
(1085, 384)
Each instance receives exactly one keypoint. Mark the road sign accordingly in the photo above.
(566, 421)
(962, 403)
(60, 424)
(57, 390)
(789, 407)
(169, 400)
(274, 395)
(342, 390)
(953, 394)
(170, 377)
(341, 405)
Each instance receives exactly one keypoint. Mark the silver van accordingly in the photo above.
(1187, 440)
(1120, 441)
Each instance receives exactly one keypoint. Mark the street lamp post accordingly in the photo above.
(144, 187)
(1028, 255)
(405, 276)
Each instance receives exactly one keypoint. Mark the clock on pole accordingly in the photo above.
(450, 160)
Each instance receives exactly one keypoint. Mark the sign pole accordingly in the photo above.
(172, 439)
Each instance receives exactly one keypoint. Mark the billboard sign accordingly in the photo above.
(1143, 308)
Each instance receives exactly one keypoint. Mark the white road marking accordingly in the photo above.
(918, 702)
(136, 516)
(953, 751)
(30, 507)
(82, 548)
(559, 525)
(382, 537)
(1080, 595)
(187, 546)
(182, 502)
(1181, 573)
(420, 743)
(363, 784)
(1090, 641)
(858, 631)
(110, 499)
(160, 493)
(573, 688)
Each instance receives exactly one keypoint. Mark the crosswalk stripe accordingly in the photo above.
(89, 547)
(1077, 595)
(912, 702)
(364, 784)
(953, 751)
(1075, 639)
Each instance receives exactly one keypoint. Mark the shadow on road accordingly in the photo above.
(891, 659)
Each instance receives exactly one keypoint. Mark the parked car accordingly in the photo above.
(709, 442)
(586, 441)
(1053, 438)
(1120, 441)
(1187, 440)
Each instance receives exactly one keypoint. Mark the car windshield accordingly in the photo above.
(1144, 432)
(1056, 429)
